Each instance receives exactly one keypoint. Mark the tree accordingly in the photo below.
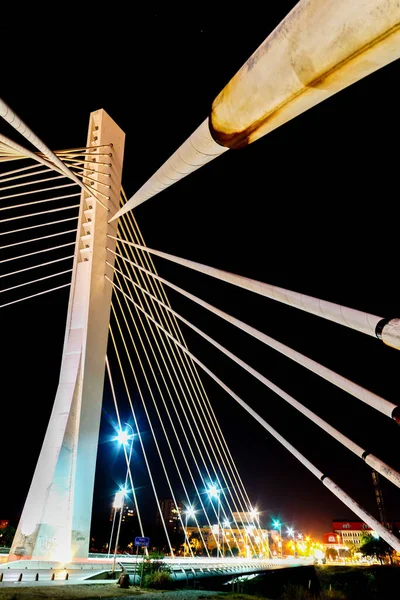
(331, 553)
(376, 547)
(7, 536)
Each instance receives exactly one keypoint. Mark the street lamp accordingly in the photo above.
(224, 524)
(214, 493)
(290, 531)
(255, 515)
(123, 438)
(278, 525)
(189, 514)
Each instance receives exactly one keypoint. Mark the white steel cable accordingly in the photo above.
(184, 395)
(154, 401)
(79, 154)
(141, 441)
(67, 150)
(355, 319)
(33, 295)
(151, 392)
(14, 287)
(106, 185)
(195, 421)
(37, 266)
(43, 212)
(23, 129)
(49, 189)
(46, 170)
(87, 170)
(35, 166)
(184, 412)
(172, 402)
(377, 464)
(25, 153)
(149, 388)
(26, 183)
(201, 419)
(335, 489)
(44, 237)
(186, 377)
(211, 419)
(125, 453)
(37, 252)
(180, 420)
(74, 161)
(373, 400)
(40, 225)
(39, 201)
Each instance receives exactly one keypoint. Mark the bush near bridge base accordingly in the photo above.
(156, 574)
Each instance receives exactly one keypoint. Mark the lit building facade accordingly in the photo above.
(243, 538)
(352, 532)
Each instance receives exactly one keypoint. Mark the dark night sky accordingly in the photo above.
(309, 207)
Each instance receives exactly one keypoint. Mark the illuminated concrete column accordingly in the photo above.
(55, 522)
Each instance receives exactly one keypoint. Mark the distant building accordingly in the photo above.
(128, 513)
(170, 514)
(351, 532)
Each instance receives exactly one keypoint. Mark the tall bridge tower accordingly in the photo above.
(55, 522)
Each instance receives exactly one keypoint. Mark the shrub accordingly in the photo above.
(158, 580)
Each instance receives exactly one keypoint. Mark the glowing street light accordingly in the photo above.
(119, 499)
(189, 514)
(290, 531)
(225, 524)
(255, 515)
(214, 492)
(278, 525)
(123, 438)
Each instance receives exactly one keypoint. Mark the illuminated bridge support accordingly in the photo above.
(55, 522)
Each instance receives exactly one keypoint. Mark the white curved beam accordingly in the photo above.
(198, 150)
(319, 49)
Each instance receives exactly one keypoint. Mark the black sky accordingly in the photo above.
(311, 207)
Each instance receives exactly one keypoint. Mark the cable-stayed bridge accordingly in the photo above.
(118, 299)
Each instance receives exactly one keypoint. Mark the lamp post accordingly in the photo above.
(278, 525)
(189, 514)
(214, 493)
(254, 513)
(224, 524)
(123, 438)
